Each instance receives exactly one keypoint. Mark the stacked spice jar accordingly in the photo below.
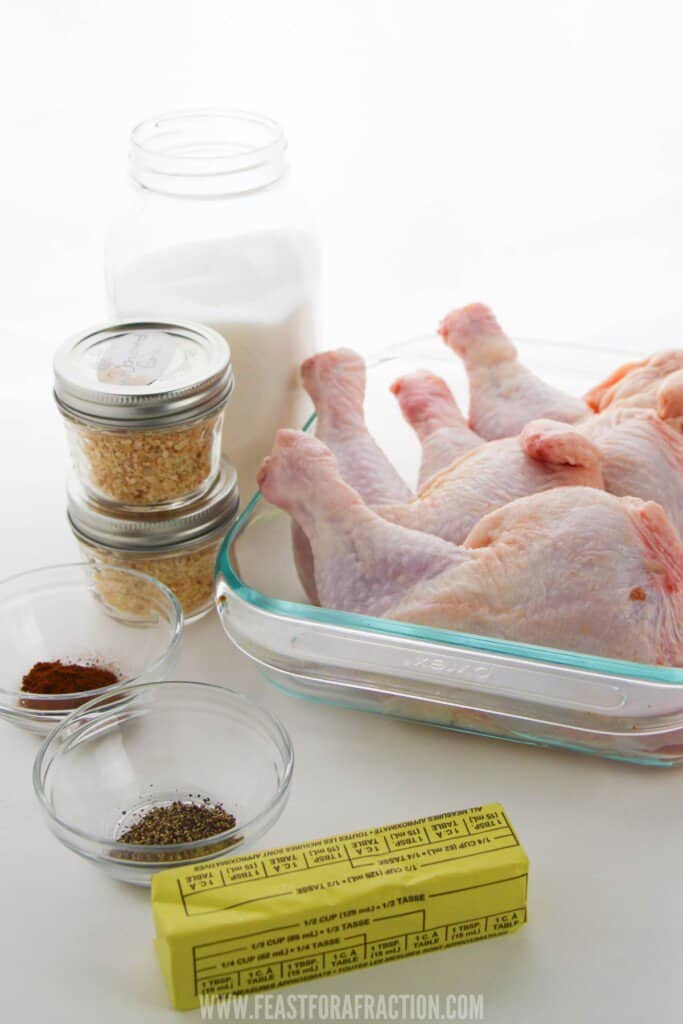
(143, 404)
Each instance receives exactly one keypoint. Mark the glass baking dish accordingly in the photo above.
(528, 694)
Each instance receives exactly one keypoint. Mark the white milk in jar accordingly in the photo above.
(216, 238)
(252, 289)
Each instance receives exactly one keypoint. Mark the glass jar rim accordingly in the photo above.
(207, 152)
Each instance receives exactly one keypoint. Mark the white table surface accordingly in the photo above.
(524, 154)
(605, 902)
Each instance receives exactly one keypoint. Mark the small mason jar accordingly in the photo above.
(143, 404)
(176, 546)
(214, 230)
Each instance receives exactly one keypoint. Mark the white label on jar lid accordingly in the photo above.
(141, 357)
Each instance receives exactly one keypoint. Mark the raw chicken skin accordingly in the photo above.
(640, 408)
(546, 454)
(653, 383)
(484, 477)
(572, 568)
(354, 569)
(641, 455)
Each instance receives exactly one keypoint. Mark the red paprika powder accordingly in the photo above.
(58, 677)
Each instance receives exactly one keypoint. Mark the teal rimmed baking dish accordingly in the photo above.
(514, 691)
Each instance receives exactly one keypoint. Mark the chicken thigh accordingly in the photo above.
(571, 567)
(641, 455)
(504, 394)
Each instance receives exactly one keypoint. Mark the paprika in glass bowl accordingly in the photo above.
(64, 639)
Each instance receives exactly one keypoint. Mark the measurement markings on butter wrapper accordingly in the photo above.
(458, 839)
(268, 960)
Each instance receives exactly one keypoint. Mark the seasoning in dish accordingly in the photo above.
(178, 547)
(57, 677)
(188, 575)
(178, 822)
(149, 467)
(75, 681)
(143, 404)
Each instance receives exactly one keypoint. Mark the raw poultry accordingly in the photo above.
(542, 475)
(633, 418)
(573, 567)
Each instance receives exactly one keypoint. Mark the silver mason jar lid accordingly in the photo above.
(152, 531)
(143, 373)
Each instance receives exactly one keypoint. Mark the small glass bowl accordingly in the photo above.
(109, 762)
(69, 613)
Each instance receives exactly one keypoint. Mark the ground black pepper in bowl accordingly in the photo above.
(179, 822)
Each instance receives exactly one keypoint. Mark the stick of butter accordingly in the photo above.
(263, 920)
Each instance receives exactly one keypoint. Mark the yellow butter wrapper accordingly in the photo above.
(263, 920)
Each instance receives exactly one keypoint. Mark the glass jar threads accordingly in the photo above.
(143, 404)
(176, 546)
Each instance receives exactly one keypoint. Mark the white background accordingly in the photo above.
(528, 154)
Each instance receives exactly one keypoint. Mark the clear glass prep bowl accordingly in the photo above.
(109, 762)
(64, 612)
(519, 692)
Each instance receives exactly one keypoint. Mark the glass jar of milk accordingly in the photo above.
(213, 232)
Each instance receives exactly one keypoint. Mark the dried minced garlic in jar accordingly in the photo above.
(143, 403)
(177, 546)
(151, 467)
